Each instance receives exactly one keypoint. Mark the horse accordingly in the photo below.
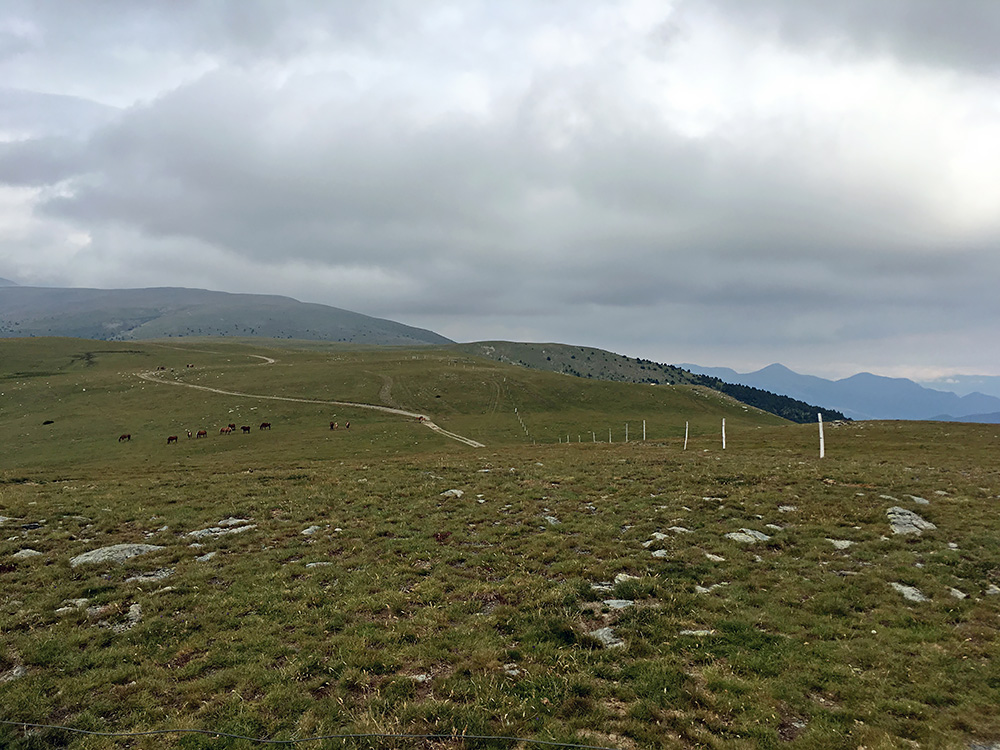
(189, 434)
(171, 439)
(334, 425)
(202, 434)
(265, 425)
(232, 425)
(347, 425)
(226, 431)
(126, 436)
(245, 428)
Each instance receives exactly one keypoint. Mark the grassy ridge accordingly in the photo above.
(476, 614)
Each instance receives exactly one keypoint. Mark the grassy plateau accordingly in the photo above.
(551, 586)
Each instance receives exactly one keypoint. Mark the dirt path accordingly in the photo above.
(153, 377)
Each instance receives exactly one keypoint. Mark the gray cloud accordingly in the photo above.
(491, 171)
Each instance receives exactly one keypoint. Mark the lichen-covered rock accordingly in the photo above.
(747, 536)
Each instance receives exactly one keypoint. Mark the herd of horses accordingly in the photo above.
(229, 429)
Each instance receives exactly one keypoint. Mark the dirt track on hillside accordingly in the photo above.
(153, 377)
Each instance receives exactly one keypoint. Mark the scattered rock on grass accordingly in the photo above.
(25, 554)
(452, 493)
(919, 500)
(787, 508)
(697, 633)
(840, 543)
(905, 521)
(619, 603)
(116, 553)
(206, 557)
(607, 638)
(910, 593)
(956, 593)
(13, 674)
(311, 530)
(228, 526)
(714, 558)
(747, 536)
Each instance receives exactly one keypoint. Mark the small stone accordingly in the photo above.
(14, 674)
(697, 633)
(511, 669)
(660, 553)
(942, 493)
(219, 531)
(311, 530)
(25, 554)
(910, 593)
(607, 638)
(919, 500)
(905, 521)
(551, 520)
(787, 508)
(952, 545)
(452, 493)
(956, 593)
(421, 677)
(318, 564)
(623, 577)
(715, 558)
(231, 521)
(206, 557)
(992, 590)
(680, 530)
(619, 603)
(890, 498)
(747, 536)
(840, 543)
(774, 527)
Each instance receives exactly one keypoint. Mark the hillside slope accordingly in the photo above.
(598, 364)
(131, 314)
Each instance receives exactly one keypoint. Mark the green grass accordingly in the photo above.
(441, 615)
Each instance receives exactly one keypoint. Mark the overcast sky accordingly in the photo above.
(726, 182)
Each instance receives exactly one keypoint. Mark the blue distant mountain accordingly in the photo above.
(864, 396)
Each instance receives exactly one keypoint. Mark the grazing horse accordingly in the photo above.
(265, 425)
(232, 425)
(189, 434)
(171, 439)
(347, 426)
(334, 425)
(124, 437)
(245, 428)
(226, 431)
(201, 434)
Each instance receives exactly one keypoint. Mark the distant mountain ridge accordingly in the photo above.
(164, 312)
(864, 396)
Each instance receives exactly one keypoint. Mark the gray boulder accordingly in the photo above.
(116, 553)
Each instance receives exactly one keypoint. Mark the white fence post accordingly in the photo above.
(822, 445)
(723, 433)
(685, 436)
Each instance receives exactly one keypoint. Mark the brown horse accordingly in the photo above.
(201, 434)
(126, 436)
(245, 428)
(171, 439)
(265, 425)
(232, 425)
(226, 431)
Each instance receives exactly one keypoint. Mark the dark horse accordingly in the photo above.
(245, 428)
(171, 439)
(126, 436)
(265, 425)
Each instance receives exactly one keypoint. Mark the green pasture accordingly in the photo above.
(431, 613)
